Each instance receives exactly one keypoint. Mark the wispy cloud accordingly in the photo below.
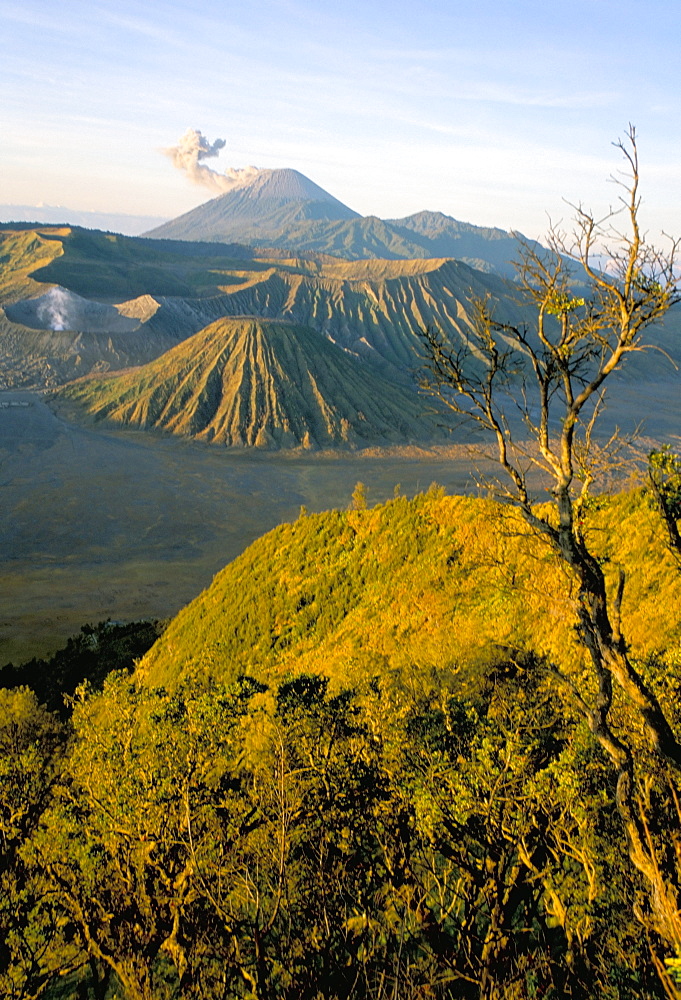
(499, 93)
(479, 111)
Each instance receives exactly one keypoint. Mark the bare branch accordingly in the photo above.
(545, 377)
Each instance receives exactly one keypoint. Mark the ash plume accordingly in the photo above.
(192, 149)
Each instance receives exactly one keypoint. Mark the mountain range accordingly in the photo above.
(75, 301)
(276, 316)
(283, 209)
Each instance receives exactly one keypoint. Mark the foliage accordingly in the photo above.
(359, 497)
(91, 655)
(411, 587)
(553, 374)
(347, 770)
(296, 843)
(439, 828)
(36, 943)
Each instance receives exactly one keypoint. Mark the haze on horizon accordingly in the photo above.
(493, 115)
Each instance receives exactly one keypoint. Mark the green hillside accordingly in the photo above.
(411, 588)
(23, 251)
(251, 382)
(351, 746)
(110, 267)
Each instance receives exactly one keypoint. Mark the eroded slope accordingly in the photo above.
(249, 382)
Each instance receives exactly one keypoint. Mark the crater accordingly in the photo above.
(60, 309)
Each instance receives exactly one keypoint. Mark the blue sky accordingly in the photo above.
(493, 112)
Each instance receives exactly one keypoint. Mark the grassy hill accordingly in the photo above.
(415, 590)
(110, 267)
(23, 251)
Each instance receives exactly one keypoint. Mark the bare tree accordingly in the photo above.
(537, 391)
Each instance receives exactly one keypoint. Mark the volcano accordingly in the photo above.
(285, 211)
(272, 200)
(249, 382)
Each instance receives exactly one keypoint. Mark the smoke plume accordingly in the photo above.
(192, 149)
(53, 310)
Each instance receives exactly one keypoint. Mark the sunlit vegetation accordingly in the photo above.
(22, 251)
(345, 770)
(412, 587)
(425, 749)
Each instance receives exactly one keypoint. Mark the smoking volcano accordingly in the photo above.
(59, 309)
(252, 202)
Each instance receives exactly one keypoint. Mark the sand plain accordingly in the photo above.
(98, 523)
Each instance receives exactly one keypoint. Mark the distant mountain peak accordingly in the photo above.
(284, 210)
(284, 184)
(434, 224)
(268, 201)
